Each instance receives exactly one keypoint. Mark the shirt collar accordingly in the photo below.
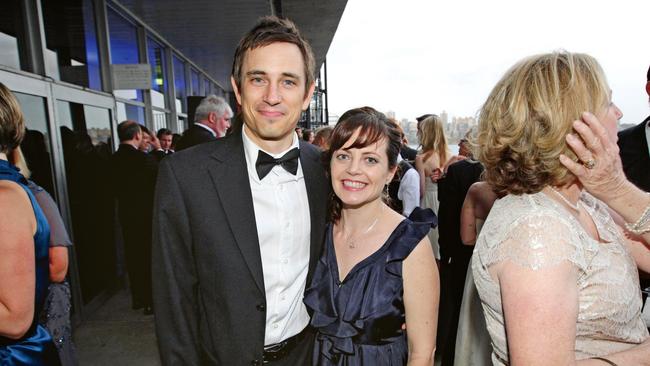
(251, 150)
(207, 128)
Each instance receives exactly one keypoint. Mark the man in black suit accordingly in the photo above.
(164, 136)
(635, 151)
(239, 222)
(134, 179)
(211, 120)
(455, 256)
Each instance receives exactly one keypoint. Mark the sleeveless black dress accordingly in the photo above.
(359, 320)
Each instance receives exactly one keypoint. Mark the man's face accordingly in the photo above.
(165, 142)
(144, 143)
(272, 94)
(222, 124)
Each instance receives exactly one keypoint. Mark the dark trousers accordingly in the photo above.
(452, 284)
(137, 253)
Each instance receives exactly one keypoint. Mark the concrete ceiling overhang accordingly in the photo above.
(208, 31)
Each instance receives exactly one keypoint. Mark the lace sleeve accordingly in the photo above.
(538, 241)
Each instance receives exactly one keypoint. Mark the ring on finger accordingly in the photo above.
(589, 163)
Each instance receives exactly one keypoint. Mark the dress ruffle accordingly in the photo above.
(367, 308)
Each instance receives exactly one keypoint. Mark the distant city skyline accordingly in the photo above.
(417, 56)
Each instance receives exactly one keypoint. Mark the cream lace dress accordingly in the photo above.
(536, 232)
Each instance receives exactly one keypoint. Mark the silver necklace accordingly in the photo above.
(351, 241)
(573, 206)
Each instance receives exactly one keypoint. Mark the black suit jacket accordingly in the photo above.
(452, 190)
(193, 136)
(133, 175)
(209, 295)
(160, 154)
(633, 147)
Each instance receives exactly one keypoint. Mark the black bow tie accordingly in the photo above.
(266, 162)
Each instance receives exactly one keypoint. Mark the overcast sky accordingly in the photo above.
(425, 56)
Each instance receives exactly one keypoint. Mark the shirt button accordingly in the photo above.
(282, 298)
(256, 362)
(261, 307)
(275, 326)
(285, 261)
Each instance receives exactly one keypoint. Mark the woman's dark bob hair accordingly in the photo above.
(374, 126)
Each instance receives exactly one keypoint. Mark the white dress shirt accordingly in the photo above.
(283, 229)
(409, 190)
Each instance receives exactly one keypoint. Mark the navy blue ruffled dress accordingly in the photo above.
(359, 321)
(35, 348)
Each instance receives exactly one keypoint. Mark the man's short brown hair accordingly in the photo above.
(268, 30)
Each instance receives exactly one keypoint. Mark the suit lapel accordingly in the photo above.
(316, 185)
(230, 179)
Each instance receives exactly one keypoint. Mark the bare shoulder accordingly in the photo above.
(11, 194)
(14, 198)
(422, 255)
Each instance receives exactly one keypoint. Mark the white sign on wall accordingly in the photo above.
(131, 76)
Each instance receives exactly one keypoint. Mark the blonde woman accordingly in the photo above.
(430, 164)
(557, 276)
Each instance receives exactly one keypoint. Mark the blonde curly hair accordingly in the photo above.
(524, 121)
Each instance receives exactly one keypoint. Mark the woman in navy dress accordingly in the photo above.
(374, 294)
(24, 266)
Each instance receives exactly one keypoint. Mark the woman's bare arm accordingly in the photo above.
(58, 263)
(468, 221)
(421, 296)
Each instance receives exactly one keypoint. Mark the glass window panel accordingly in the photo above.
(181, 124)
(159, 120)
(131, 112)
(36, 144)
(12, 41)
(96, 125)
(156, 54)
(217, 90)
(124, 48)
(179, 84)
(207, 87)
(72, 52)
(196, 83)
(86, 152)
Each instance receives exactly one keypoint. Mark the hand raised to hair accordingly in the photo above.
(605, 177)
(155, 143)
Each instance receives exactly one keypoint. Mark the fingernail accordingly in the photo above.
(570, 137)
